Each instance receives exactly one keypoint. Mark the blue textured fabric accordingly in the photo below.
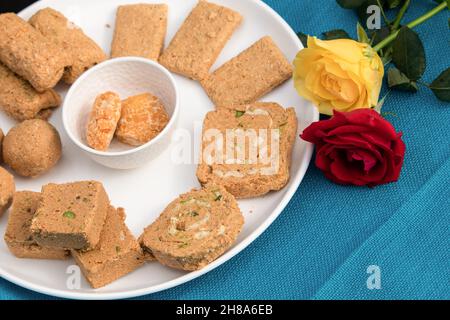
(321, 245)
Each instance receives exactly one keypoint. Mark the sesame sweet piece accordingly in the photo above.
(18, 235)
(247, 77)
(118, 253)
(194, 229)
(1, 144)
(103, 120)
(267, 133)
(71, 215)
(143, 118)
(28, 53)
(32, 147)
(199, 41)
(7, 188)
(82, 51)
(140, 31)
(19, 100)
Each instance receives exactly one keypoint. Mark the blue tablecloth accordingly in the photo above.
(322, 244)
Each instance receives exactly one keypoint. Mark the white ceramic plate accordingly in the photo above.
(146, 191)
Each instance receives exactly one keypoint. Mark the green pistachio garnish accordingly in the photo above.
(69, 214)
(239, 113)
(183, 245)
(217, 195)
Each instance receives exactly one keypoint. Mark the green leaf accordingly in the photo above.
(350, 4)
(362, 35)
(303, 38)
(335, 34)
(409, 54)
(394, 3)
(69, 214)
(398, 81)
(441, 86)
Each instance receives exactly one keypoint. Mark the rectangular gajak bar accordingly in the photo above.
(199, 41)
(19, 100)
(71, 215)
(82, 51)
(18, 235)
(247, 77)
(28, 53)
(140, 31)
(118, 252)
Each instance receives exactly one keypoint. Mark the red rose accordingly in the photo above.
(358, 147)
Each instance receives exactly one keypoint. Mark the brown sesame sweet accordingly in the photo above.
(19, 100)
(257, 163)
(18, 235)
(32, 147)
(82, 51)
(247, 77)
(118, 253)
(194, 229)
(7, 188)
(143, 118)
(29, 54)
(199, 41)
(1, 144)
(140, 31)
(71, 215)
(102, 124)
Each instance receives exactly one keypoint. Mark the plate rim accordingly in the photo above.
(295, 182)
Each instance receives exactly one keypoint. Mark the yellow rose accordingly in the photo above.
(338, 74)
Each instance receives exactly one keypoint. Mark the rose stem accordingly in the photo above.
(386, 20)
(400, 15)
(412, 24)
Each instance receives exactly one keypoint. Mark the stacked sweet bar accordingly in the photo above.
(74, 219)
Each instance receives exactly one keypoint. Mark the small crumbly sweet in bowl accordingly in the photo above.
(249, 76)
(32, 148)
(143, 117)
(194, 229)
(19, 100)
(117, 254)
(197, 44)
(7, 188)
(31, 55)
(18, 235)
(82, 51)
(256, 152)
(71, 215)
(140, 30)
(103, 119)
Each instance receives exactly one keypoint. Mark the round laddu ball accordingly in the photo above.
(32, 148)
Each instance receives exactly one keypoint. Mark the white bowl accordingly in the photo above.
(126, 76)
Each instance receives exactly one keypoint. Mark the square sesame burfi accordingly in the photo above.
(118, 252)
(250, 75)
(71, 215)
(18, 235)
(197, 44)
